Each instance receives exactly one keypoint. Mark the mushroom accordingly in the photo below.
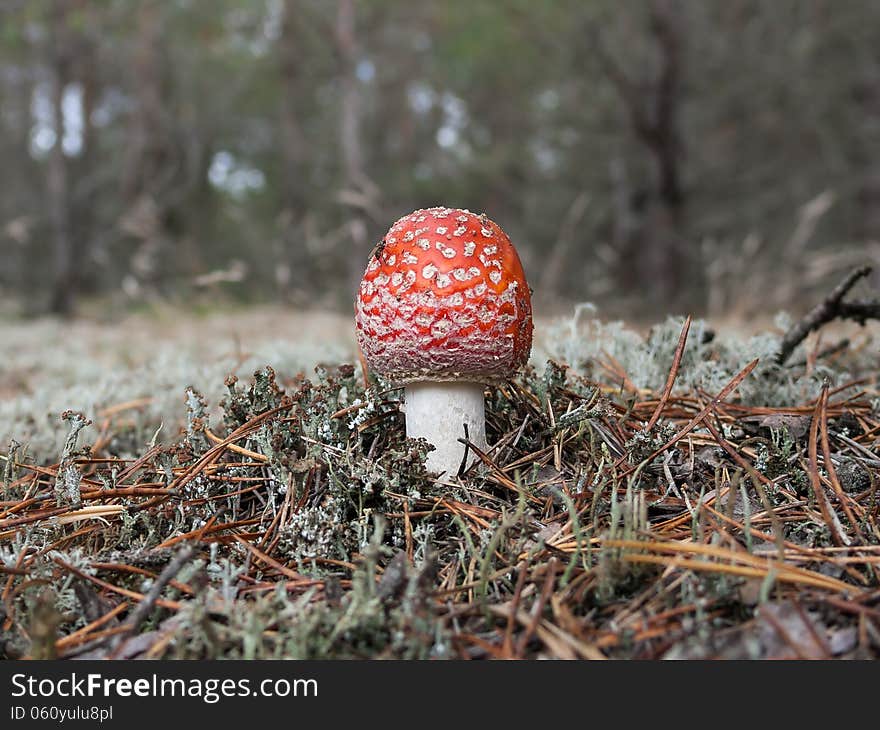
(444, 309)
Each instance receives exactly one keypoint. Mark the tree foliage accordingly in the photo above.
(670, 153)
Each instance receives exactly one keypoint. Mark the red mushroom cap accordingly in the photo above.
(444, 297)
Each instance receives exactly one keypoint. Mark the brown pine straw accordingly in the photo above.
(172, 605)
(673, 371)
(699, 418)
(81, 636)
(842, 498)
(828, 515)
(237, 449)
(263, 558)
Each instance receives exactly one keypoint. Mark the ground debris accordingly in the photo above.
(721, 508)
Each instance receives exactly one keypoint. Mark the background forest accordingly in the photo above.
(720, 158)
(194, 461)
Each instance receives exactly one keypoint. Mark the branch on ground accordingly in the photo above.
(831, 308)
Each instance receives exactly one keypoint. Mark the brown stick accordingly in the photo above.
(831, 308)
(860, 311)
(152, 598)
(673, 371)
(828, 514)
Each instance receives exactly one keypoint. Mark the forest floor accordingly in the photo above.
(661, 492)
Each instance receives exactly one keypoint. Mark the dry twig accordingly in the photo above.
(831, 308)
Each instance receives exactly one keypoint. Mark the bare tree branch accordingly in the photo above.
(139, 614)
(831, 308)
(57, 173)
(628, 89)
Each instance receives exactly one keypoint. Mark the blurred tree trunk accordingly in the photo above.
(64, 284)
(18, 211)
(145, 179)
(657, 260)
(84, 204)
(868, 96)
(682, 263)
(352, 155)
(290, 269)
(356, 186)
(292, 140)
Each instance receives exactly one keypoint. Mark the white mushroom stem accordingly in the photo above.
(439, 412)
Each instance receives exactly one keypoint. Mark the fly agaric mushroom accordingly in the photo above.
(444, 309)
